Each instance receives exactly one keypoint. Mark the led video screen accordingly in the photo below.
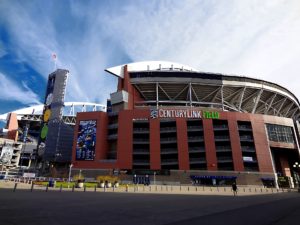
(86, 140)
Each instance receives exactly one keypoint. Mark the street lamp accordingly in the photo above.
(70, 170)
(296, 167)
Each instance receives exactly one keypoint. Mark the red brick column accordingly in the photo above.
(210, 147)
(124, 145)
(237, 155)
(261, 144)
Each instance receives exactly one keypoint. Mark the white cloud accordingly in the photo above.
(37, 35)
(255, 38)
(249, 37)
(2, 50)
(12, 91)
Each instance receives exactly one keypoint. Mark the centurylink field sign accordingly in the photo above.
(183, 113)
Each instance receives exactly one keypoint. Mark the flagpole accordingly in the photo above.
(54, 57)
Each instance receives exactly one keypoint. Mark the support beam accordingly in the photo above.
(164, 92)
(281, 105)
(241, 98)
(270, 104)
(181, 92)
(257, 100)
(190, 93)
(288, 109)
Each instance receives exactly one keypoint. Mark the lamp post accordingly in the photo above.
(70, 170)
(296, 167)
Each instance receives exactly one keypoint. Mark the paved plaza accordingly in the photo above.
(119, 208)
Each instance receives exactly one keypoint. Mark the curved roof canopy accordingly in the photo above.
(172, 84)
(148, 66)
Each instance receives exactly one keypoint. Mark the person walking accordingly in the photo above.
(234, 188)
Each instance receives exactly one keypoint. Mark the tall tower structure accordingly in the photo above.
(52, 147)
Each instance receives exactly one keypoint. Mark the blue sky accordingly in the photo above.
(255, 38)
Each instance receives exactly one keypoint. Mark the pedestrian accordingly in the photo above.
(234, 188)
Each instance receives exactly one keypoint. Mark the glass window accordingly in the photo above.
(279, 133)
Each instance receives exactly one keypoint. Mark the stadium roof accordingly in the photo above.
(70, 109)
(172, 84)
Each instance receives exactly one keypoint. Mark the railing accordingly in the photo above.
(141, 151)
(244, 127)
(140, 140)
(170, 139)
(221, 127)
(141, 130)
(112, 137)
(228, 149)
(249, 149)
(189, 128)
(198, 160)
(218, 138)
(246, 138)
(113, 126)
(168, 150)
(195, 138)
(224, 159)
(196, 149)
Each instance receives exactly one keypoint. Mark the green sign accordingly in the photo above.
(210, 115)
(44, 131)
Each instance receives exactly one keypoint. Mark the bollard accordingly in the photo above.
(267, 190)
(171, 188)
(196, 188)
(166, 188)
(47, 186)
(272, 190)
(150, 188)
(161, 187)
(104, 189)
(244, 190)
(203, 188)
(84, 188)
(210, 189)
(31, 189)
(180, 187)
(218, 189)
(249, 189)
(144, 188)
(261, 190)
(126, 187)
(113, 188)
(255, 189)
(73, 187)
(60, 188)
(155, 188)
(15, 188)
(188, 188)
(224, 189)
(95, 188)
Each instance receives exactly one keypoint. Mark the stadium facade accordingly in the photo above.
(182, 125)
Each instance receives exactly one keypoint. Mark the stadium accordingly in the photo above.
(180, 125)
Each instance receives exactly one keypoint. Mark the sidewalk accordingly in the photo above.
(153, 189)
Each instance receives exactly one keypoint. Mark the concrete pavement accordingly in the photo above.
(67, 208)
